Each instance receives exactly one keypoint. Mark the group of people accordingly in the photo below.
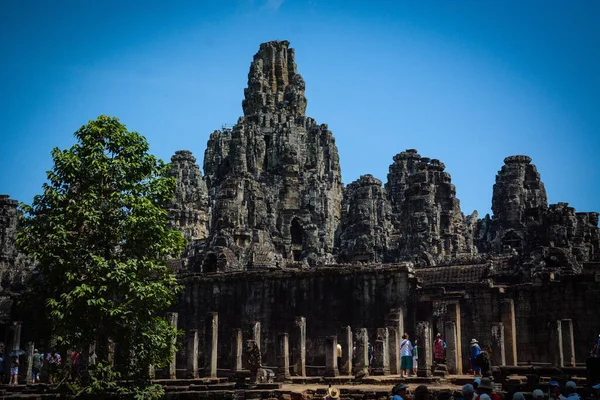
(51, 360)
(409, 352)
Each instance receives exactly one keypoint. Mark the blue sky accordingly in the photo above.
(467, 82)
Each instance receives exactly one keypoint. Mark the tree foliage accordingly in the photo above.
(100, 236)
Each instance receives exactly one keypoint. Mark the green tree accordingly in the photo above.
(100, 236)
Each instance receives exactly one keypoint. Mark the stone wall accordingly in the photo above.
(329, 299)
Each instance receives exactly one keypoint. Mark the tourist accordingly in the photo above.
(14, 370)
(518, 396)
(438, 350)
(36, 366)
(421, 393)
(1, 368)
(75, 365)
(399, 392)
(332, 394)
(415, 358)
(476, 383)
(406, 349)
(474, 351)
(555, 393)
(486, 387)
(53, 359)
(537, 394)
(596, 349)
(370, 352)
(468, 391)
(339, 355)
(571, 389)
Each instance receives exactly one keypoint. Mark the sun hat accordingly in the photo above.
(538, 393)
(571, 385)
(400, 386)
(333, 393)
(468, 389)
(486, 384)
(438, 335)
(554, 383)
(484, 397)
(518, 396)
(596, 386)
(477, 381)
(474, 341)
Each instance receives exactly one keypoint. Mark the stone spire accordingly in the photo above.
(189, 211)
(366, 221)
(274, 85)
(274, 179)
(426, 214)
(519, 197)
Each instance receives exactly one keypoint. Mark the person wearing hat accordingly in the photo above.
(555, 393)
(518, 396)
(571, 388)
(333, 393)
(537, 394)
(468, 391)
(399, 392)
(474, 351)
(486, 388)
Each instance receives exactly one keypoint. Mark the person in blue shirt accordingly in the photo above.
(475, 350)
(399, 392)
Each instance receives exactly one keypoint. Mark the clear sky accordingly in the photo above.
(467, 82)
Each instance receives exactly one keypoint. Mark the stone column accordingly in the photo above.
(16, 339)
(212, 336)
(498, 352)
(347, 351)
(381, 356)
(301, 346)
(568, 342)
(397, 321)
(30, 348)
(237, 346)
(362, 352)
(423, 334)
(111, 352)
(507, 312)
(283, 357)
(172, 318)
(192, 353)
(91, 354)
(556, 340)
(451, 347)
(453, 312)
(331, 367)
(255, 332)
(394, 344)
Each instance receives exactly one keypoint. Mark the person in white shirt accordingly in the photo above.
(406, 349)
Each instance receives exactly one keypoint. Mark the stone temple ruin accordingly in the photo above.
(281, 253)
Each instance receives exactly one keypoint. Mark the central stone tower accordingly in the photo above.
(274, 179)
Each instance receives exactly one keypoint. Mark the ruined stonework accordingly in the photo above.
(189, 211)
(366, 221)
(15, 269)
(274, 179)
(428, 222)
(543, 239)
